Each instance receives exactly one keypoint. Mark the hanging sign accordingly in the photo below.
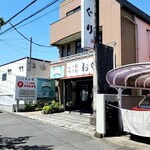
(87, 24)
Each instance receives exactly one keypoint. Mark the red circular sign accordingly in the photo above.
(20, 84)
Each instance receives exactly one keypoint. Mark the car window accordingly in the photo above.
(145, 102)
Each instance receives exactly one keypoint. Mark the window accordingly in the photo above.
(63, 51)
(78, 47)
(68, 50)
(145, 102)
(4, 77)
(73, 11)
(148, 38)
(9, 71)
(21, 68)
(100, 37)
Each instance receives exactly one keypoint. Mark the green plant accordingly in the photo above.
(42, 103)
(46, 109)
(53, 107)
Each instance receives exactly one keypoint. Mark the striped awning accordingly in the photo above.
(130, 76)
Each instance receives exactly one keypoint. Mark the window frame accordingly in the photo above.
(4, 76)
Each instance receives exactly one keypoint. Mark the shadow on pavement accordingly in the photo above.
(19, 144)
(140, 139)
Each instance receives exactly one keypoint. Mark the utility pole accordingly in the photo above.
(96, 43)
(99, 99)
(30, 53)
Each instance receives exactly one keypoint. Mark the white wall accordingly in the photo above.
(7, 87)
(38, 68)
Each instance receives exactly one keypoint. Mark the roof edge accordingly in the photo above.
(25, 58)
(138, 12)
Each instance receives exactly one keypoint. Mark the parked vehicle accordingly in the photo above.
(144, 104)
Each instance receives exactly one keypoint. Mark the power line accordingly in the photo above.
(38, 51)
(43, 15)
(5, 41)
(48, 5)
(27, 38)
(20, 11)
(39, 17)
(10, 45)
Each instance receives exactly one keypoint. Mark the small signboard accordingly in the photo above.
(45, 89)
(87, 24)
(25, 88)
(57, 72)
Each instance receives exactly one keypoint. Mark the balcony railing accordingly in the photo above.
(74, 57)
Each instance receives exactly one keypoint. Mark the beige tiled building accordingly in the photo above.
(120, 24)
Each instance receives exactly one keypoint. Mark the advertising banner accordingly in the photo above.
(25, 88)
(45, 89)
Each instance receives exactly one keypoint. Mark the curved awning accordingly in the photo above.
(130, 76)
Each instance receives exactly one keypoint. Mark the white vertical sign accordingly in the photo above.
(87, 24)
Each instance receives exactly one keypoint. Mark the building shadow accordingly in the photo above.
(19, 143)
(140, 139)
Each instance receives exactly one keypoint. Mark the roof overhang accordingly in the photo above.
(68, 39)
(134, 76)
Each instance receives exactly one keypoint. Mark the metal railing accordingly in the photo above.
(74, 57)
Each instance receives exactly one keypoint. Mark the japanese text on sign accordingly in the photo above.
(25, 88)
(87, 10)
(80, 67)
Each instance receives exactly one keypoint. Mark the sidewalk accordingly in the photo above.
(73, 121)
(81, 123)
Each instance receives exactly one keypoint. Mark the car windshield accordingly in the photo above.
(145, 103)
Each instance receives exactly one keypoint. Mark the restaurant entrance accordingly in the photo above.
(79, 94)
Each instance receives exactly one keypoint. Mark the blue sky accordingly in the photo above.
(13, 46)
(142, 4)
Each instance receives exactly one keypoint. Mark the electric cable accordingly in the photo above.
(10, 45)
(27, 38)
(20, 12)
(48, 5)
(44, 15)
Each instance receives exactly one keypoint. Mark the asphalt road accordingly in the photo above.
(21, 133)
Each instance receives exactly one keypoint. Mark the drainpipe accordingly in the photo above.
(136, 36)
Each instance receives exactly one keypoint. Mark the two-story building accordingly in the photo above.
(24, 67)
(122, 26)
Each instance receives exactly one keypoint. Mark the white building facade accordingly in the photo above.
(24, 67)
